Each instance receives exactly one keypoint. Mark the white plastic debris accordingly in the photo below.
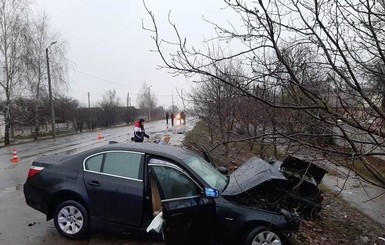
(156, 223)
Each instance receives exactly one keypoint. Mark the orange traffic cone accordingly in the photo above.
(15, 158)
(100, 136)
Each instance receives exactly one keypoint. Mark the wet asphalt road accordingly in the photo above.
(20, 224)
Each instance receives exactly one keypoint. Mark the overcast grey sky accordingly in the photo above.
(108, 48)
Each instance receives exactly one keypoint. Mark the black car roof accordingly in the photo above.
(74, 161)
(173, 152)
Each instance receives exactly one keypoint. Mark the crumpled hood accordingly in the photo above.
(251, 174)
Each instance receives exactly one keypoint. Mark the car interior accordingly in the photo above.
(155, 197)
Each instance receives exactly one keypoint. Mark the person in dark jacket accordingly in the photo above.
(139, 132)
(172, 119)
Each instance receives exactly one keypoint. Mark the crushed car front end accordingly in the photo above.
(262, 185)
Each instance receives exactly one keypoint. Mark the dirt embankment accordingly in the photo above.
(340, 223)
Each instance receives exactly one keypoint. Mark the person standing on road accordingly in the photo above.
(139, 132)
(172, 119)
(183, 117)
(167, 116)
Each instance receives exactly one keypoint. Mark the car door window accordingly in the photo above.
(122, 164)
(95, 163)
(174, 183)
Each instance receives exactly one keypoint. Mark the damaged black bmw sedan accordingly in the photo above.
(122, 187)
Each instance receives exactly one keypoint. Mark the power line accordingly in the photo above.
(101, 79)
(111, 82)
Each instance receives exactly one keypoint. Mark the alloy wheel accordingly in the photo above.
(266, 238)
(70, 220)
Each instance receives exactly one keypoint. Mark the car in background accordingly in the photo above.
(123, 186)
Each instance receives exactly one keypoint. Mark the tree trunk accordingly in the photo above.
(36, 121)
(7, 120)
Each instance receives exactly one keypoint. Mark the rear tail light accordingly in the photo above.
(34, 170)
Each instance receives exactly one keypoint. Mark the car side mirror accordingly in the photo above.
(211, 192)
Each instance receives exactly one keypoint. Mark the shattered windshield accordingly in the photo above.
(207, 172)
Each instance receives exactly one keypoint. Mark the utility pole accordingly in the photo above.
(50, 92)
(172, 98)
(149, 103)
(128, 103)
(89, 103)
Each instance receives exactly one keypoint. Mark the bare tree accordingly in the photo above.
(66, 108)
(22, 112)
(110, 106)
(23, 42)
(13, 29)
(217, 104)
(319, 56)
(146, 100)
(38, 40)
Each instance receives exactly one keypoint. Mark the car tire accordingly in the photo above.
(71, 219)
(264, 235)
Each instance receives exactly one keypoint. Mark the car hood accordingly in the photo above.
(252, 173)
(301, 166)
